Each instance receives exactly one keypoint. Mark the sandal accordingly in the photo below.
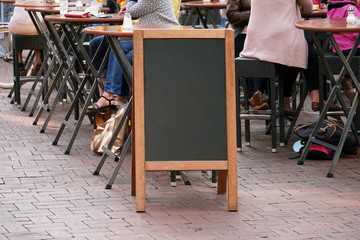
(95, 107)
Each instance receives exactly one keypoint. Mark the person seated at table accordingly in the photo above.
(149, 12)
(273, 37)
(238, 13)
(339, 9)
(21, 24)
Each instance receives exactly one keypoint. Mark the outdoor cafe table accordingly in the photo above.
(60, 55)
(112, 33)
(72, 29)
(198, 5)
(53, 52)
(321, 13)
(31, 4)
(7, 1)
(330, 27)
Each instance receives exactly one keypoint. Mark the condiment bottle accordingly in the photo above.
(351, 17)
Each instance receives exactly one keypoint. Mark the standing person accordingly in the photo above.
(21, 24)
(149, 12)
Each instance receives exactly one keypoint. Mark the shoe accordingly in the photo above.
(22, 70)
(263, 106)
(265, 98)
(35, 70)
(95, 107)
(256, 99)
(289, 112)
(348, 89)
(315, 106)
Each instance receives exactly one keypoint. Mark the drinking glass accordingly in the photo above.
(63, 7)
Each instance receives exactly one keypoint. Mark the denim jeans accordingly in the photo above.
(115, 81)
(94, 45)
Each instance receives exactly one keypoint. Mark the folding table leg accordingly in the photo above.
(126, 148)
(106, 149)
(44, 82)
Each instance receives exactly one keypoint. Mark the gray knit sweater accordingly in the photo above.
(152, 12)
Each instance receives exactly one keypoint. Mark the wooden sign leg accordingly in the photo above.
(233, 188)
(140, 186)
(222, 178)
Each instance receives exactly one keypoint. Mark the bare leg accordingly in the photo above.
(37, 57)
(287, 108)
(101, 92)
(122, 99)
(314, 94)
(20, 55)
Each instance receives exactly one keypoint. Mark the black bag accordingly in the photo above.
(329, 132)
(318, 152)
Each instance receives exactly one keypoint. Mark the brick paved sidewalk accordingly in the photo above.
(45, 194)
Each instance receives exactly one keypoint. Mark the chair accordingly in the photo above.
(254, 68)
(21, 42)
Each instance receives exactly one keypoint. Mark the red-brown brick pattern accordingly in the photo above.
(45, 194)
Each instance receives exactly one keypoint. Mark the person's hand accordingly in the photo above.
(122, 10)
(300, 7)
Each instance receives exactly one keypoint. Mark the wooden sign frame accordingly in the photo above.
(227, 168)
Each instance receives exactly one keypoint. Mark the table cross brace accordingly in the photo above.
(335, 92)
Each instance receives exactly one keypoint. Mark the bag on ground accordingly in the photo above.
(104, 132)
(330, 132)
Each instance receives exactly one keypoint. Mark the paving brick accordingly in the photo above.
(45, 194)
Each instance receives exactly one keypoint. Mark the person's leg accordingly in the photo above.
(37, 63)
(312, 79)
(22, 70)
(312, 74)
(93, 47)
(239, 44)
(118, 82)
(288, 76)
(114, 78)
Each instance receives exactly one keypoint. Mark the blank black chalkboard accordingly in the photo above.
(184, 114)
(185, 100)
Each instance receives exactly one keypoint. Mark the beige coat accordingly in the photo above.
(272, 35)
(21, 23)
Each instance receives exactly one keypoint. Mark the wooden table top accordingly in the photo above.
(40, 4)
(7, 1)
(335, 25)
(117, 30)
(321, 13)
(202, 4)
(57, 9)
(115, 18)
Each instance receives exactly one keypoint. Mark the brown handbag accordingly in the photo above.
(104, 132)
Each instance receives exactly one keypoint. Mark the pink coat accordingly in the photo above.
(345, 41)
(272, 35)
